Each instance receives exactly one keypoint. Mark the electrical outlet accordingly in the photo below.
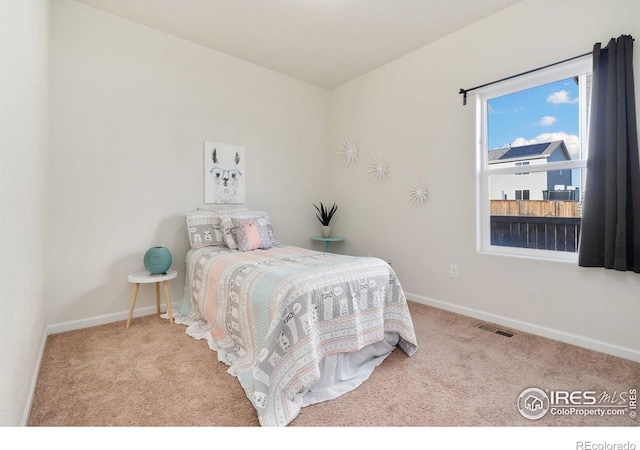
(453, 270)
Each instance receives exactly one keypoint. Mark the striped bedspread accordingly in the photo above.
(273, 315)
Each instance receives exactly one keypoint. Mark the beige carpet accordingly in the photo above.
(153, 374)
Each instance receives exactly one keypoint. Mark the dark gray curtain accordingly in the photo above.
(610, 233)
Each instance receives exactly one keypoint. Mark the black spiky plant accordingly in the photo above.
(325, 214)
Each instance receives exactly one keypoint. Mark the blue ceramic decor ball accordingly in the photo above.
(157, 260)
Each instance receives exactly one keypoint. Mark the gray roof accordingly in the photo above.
(531, 151)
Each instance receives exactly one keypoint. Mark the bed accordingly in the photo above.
(295, 326)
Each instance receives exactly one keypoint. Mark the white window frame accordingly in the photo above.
(577, 67)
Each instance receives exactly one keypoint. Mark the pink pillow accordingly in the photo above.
(253, 233)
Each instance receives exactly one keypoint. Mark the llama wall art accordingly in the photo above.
(223, 173)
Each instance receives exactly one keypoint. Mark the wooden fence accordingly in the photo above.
(544, 233)
(536, 208)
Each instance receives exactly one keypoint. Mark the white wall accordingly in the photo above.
(131, 106)
(409, 112)
(131, 109)
(24, 152)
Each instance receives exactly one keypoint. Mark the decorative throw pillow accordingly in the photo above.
(203, 229)
(203, 226)
(253, 234)
(229, 230)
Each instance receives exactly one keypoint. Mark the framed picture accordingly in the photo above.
(223, 173)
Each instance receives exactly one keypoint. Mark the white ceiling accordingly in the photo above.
(323, 42)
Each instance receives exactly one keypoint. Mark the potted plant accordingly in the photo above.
(325, 215)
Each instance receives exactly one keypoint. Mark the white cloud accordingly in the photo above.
(571, 141)
(560, 97)
(547, 120)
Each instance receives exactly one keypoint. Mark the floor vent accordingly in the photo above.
(491, 329)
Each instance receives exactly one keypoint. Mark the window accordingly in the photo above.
(539, 121)
(523, 163)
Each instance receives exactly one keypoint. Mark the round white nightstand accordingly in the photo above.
(144, 278)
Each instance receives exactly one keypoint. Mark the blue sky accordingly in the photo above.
(541, 114)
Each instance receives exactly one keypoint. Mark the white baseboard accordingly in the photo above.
(568, 338)
(34, 382)
(580, 341)
(101, 320)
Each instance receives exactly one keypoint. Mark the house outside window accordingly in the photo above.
(540, 121)
(519, 163)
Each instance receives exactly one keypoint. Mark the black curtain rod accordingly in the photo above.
(464, 91)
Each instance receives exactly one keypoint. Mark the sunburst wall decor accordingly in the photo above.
(348, 152)
(378, 169)
(418, 194)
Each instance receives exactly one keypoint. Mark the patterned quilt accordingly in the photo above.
(273, 315)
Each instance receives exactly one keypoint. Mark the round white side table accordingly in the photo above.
(144, 278)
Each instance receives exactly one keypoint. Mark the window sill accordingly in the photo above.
(540, 255)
